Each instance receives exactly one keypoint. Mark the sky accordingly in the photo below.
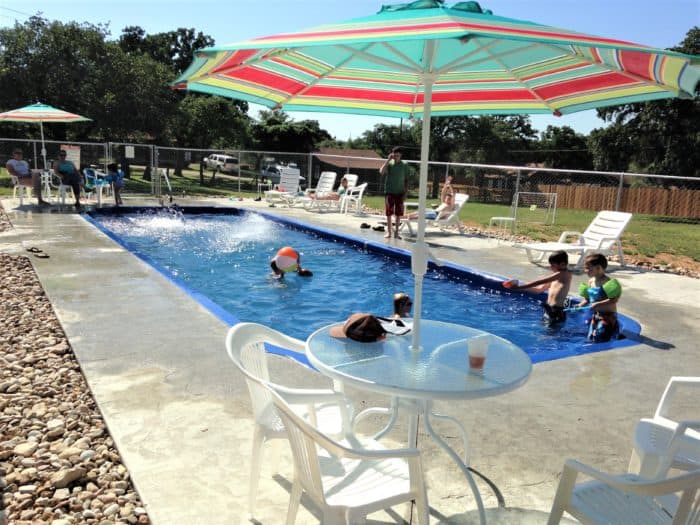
(654, 23)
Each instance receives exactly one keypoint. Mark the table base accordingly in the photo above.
(424, 407)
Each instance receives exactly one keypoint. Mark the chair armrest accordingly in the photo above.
(603, 240)
(674, 384)
(308, 395)
(564, 235)
(342, 451)
(632, 482)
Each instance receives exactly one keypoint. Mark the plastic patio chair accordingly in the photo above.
(21, 189)
(660, 442)
(288, 187)
(451, 220)
(348, 481)
(626, 499)
(602, 236)
(94, 184)
(353, 197)
(325, 408)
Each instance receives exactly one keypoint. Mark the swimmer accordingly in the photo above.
(287, 260)
(556, 284)
(601, 294)
(402, 305)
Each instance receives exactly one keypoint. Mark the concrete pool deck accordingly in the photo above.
(179, 411)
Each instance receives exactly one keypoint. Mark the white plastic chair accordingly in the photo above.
(602, 236)
(660, 442)
(451, 220)
(353, 196)
(325, 408)
(346, 481)
(19, 189)
(287, 187)
(95, 183)
(626, 499)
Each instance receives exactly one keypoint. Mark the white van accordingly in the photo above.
(222, 163)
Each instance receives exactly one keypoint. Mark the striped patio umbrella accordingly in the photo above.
(425, 59)
(41, 113)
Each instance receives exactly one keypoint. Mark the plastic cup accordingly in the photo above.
(477, 348)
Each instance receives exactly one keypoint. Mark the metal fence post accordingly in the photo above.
(309, 171)
(620, 188)
(517, 183)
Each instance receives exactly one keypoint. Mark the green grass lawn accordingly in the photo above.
(647, 236)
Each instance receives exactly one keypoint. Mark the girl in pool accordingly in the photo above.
(287, 260)
(402, 305)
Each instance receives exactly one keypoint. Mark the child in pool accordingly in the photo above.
(557, 285)
(601, 294)
(287, 260)
(402, 305)
(115, 176)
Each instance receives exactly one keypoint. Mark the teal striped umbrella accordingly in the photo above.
(425, 59)
(41, 113)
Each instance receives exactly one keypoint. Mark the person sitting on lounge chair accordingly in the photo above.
(441, 212)
(333, 195)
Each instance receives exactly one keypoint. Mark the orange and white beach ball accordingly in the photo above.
(287, 259)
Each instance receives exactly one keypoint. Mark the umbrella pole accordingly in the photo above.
(43, 146)
(419, 258)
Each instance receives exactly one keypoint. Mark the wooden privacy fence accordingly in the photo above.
(653, 201)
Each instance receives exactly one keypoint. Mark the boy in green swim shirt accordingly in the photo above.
(601, 294)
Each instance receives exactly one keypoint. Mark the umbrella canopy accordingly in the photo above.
(40, 113)
(424, 58)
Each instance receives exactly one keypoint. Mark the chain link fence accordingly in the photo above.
(251, 171)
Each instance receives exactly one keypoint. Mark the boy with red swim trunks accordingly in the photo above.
(395, 189)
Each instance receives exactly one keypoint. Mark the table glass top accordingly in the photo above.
(440, 370)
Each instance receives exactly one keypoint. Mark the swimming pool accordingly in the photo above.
(221, 257)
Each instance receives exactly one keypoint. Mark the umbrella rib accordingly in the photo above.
(317, 79)
(608, 67)
(401, 55)
(519, 80)
(463, 60)
(380, 60)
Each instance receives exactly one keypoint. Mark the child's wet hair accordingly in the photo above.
(400, 300)
(596, 259)
(560, 257)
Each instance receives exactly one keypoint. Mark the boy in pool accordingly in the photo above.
(286, 260)
(601, 294)
(557, 285)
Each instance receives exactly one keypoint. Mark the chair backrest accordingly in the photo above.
(358, 191)
(352, 179)
(460, 200)
(289, 182)
(326, 182)
(606, 225)
(303, 440)
(90, 178)
(245, 344)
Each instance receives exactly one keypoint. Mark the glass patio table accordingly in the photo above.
(416, 378)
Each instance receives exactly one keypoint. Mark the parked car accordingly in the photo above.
(222, 163)
(272, 172)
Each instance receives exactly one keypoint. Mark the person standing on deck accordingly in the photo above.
(395, 189)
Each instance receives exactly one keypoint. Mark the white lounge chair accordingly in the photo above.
(326, 409)
(353, 197)
(349, 480)
(443, 223)
(314, 198)
(626, 499)
(602, 236)
(660, 442)
(288, 187)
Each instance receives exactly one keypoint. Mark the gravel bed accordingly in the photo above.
(58, 463)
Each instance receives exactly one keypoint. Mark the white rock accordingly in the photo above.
(26, 449)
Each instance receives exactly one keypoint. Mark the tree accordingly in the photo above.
(175, 49)
(72, 66)
(664, 135)
(276, 131)
(562, 147)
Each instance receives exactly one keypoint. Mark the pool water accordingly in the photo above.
(226, 258)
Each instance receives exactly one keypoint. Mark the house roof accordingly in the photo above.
(370, 159)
